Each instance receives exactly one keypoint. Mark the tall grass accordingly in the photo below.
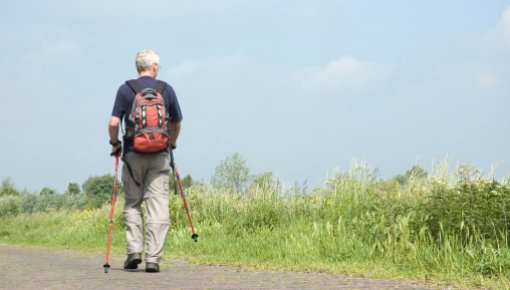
(452, 227)
(447, 227)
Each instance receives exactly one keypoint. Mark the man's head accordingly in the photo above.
(147, 61)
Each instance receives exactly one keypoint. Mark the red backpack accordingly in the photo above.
(147, 125)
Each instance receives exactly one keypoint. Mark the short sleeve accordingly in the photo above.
(174, 108)
(119, 106)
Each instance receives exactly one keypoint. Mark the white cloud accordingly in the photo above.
(234, 67)
(239, 79)
(344, 73)
(233, 75)
(488, 81)
(185, 68)
(500, 34)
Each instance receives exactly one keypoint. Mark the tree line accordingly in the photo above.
(232, 175)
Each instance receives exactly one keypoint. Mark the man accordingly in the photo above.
(145, 175)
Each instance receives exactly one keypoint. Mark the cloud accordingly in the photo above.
(185, 68)
(488, 81)
(500, 34)
(62, 51)
(245, 84)
(228, 70)
(344, 73)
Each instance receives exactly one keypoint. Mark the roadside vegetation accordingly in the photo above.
(445, 227)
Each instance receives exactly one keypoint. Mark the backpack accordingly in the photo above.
(146, 125)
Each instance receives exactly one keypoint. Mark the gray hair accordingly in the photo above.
(145, 58)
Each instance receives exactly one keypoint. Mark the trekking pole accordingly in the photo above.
(107, 264)
(194, 235)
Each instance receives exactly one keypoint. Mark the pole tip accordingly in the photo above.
(106, 267)
(195, 237)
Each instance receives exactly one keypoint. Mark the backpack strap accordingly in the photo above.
(133, 85)
(130, 170)
(160, 86)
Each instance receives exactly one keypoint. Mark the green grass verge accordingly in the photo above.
(428, 231)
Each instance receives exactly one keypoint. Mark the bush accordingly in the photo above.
(30, 203)
(478, 209)
(10, 205)
(98, 190)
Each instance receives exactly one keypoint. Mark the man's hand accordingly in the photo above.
(113, 132)
(116, 148)
(175, 129)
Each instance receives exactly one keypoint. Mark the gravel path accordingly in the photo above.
(41, 268)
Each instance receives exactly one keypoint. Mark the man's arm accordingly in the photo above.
(175, 129)
(113, 131)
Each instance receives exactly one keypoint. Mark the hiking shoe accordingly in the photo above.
(132, 261)
(151, 267)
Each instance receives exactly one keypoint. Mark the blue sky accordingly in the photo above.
(297, 87)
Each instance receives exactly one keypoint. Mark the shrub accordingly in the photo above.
(98, 190)
(478, 209)
(10, 205)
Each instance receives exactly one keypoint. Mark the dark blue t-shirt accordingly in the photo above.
(126, 96)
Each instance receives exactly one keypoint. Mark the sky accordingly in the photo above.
(298, 88)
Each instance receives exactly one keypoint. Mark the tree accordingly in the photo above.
(73, 189)
(187, 181)
(47, 191)
(98, 189)
(232, 174)
(415, 172)
(8, 187)
(98, 185)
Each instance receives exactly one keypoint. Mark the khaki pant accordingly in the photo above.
(151, 171)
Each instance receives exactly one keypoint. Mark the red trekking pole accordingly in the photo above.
(114, 193)
(194, 235)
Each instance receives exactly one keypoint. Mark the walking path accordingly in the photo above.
(40, 268)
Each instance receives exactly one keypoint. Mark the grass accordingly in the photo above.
(444, 229)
